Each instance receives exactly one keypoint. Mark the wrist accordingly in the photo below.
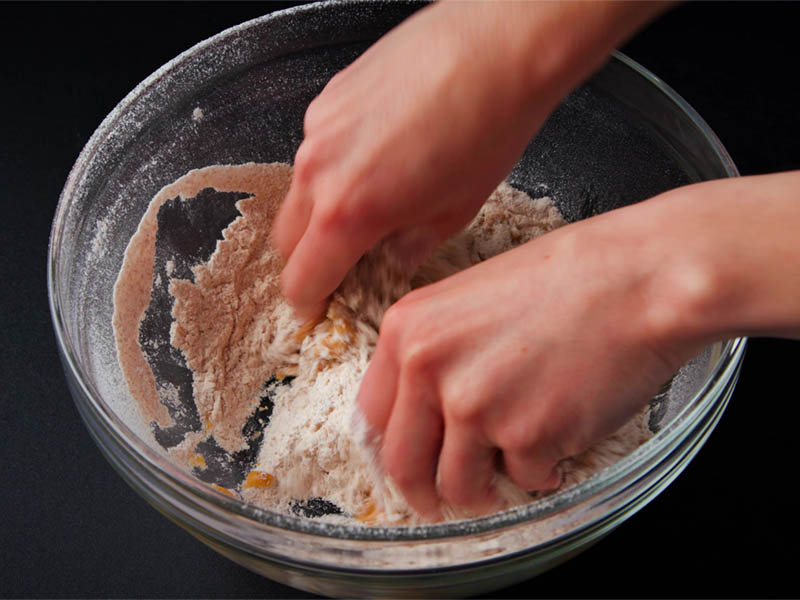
(689, 288)
(659, 272)
(722, 260)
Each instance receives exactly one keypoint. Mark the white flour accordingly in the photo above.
(235, 331)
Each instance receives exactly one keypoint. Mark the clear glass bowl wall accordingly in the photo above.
(619, 139)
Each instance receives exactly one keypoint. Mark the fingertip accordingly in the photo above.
(277, 236)
(466, 472)
(531, 472)
(414, 478)
(291, 221)
(310, 316)
(376, 394)
(552, 481)
(319, 263)
(368, 408)
(288, 284)
(484, 502)
(363, 432)
(279, 242)
(410, 453)
(307, 300)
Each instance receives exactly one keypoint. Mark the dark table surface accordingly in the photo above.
(70, 527)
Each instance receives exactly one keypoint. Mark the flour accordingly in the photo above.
(100, 239)
(302, 453)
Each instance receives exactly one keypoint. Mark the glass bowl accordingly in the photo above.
(240, 96)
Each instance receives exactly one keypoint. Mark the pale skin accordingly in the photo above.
(407, 143)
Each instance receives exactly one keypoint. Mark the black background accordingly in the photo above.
(70, 527)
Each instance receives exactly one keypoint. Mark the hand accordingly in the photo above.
(408, 141)
(536, 354)
(518, 361)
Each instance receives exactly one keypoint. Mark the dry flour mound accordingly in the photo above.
(301, 452)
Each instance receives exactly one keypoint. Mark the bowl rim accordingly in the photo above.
(186, 484)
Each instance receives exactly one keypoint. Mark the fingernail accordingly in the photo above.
(362, 432)
(311, 316)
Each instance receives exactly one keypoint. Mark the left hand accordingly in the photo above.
(523, 360)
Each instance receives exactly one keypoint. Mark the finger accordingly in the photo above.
(309, 276)
(292, 220)
(466, 471)
(412, 246)
(411, 449)
(532, 472)
(378, 389)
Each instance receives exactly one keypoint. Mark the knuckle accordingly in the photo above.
(394, 322)
(468, 403)
(333, 89)
(342, 206)
(463, 410)
(313, 115)
(305, 161)
(336, 79)
(332, 215)
(416, 356)
(346, 205)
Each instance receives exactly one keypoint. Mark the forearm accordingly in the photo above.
(567, 41)
(532, 54)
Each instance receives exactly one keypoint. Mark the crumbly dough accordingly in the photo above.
(236, 332)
